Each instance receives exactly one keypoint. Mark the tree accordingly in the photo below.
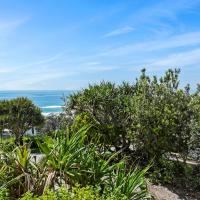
(106, 106)
(19, 115)
(148, 118)
(163, 118)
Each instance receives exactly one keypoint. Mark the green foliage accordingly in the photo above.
(19, 170)
(72, 161)
(153, 115)
(106, 107)
(32, 140)
(63, 154)
(19, 115)
(163, 117)
(77, 193)
(87, 158)
(4, 194)
(164, 171)
(82, 119)
(194, 144)
(86, 193)
(69, 160)
(81, 193)
(127, 183)
(176, 174)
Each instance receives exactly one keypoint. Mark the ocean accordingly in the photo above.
(50, 101)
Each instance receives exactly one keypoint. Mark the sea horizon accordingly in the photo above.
(49, 101)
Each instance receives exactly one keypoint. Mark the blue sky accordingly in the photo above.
(66, 44)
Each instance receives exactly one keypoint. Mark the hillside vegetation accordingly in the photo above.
(109, 142)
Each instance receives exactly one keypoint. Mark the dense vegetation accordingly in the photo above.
(19, 115)
(108, 141)
(153, 116)
(70, 168)
(152, 119)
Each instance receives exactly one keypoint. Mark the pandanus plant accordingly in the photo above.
(130, 184)
(22, 174)
(70, 160)
(19, 168)
(62, 156)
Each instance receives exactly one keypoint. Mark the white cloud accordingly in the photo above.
(175, 60)
(92, 69)
(188, 58)
(92, 63)
(94, 66)
(32, 80)
(7, 26)
(44, 61)
(120, 31)
(4, 70)
(182, 40)
(166, 9)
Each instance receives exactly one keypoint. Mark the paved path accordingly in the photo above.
(176, 157)
(190, 162)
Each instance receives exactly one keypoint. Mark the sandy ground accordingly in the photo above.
(162, 193)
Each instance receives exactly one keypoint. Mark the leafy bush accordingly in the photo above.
(77, 193)
(82, 193)
(141, 122)
(153, 116)
(19, 115)
(130, 184)
(106, 106)
(4, 194)
(164, 171)
(72, 161)
(69, 160)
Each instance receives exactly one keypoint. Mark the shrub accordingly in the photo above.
(19, 115)
(4, 194)
(154, 116)
(77, 193)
